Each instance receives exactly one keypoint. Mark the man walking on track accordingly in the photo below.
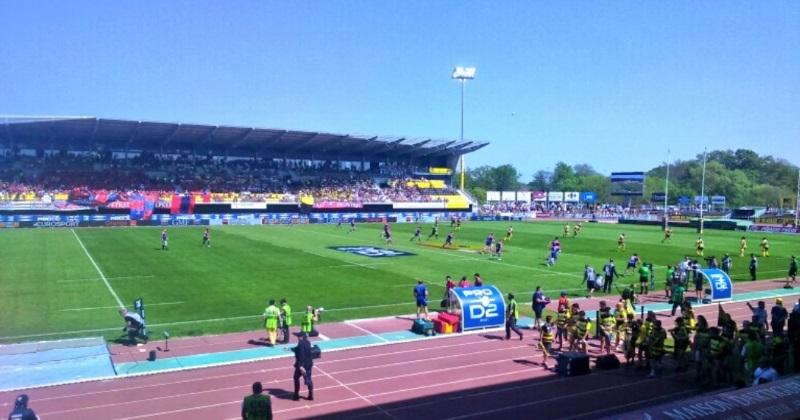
(257, 406)
(303, 362)
(271, 315)
(512, 314)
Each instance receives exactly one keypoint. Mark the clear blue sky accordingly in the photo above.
(612, 84)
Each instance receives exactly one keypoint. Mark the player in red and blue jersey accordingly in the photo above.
(498, 250)
(352, 225)
(164, 240)
(487, 243)
(448, 241)
(207, 238)
(633, 263)
(417, 234)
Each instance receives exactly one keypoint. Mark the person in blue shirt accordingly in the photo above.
(417, 234)
(421, 295)
(21, 410)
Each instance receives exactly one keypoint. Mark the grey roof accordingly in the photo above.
(87, 133)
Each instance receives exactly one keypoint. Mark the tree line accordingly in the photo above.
(742, 176)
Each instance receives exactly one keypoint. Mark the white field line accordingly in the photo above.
(147, 276)
(524, 267)
(100, 272)
(113, 307)
(323, 337)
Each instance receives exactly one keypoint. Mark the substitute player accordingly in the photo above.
(206, 238)
(164, 240)
(546, 338)
(621, 242)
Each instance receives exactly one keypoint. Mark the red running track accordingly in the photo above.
(459, 377)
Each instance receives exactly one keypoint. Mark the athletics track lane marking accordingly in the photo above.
(100, 272)
(366, 331)
(365, 399)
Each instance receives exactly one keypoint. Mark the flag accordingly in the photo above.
(722, 316)
(182, 204)
(137, 207)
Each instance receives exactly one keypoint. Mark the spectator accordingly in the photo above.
(759, 314)
(538, 303)
(779, 316)
(257, 406)
(765, 373)
(21, 410)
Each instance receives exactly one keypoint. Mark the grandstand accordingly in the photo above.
(74, 164)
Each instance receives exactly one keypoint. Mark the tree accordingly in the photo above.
(506, 178)
(541, 180)
(564, 178)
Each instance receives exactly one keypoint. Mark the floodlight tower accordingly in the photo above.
(462, 74)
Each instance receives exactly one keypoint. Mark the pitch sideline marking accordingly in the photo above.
(113, 307)
(100, 272)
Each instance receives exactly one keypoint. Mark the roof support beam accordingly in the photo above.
(208, 136)
(170, 136)
(240, 141)
(269, 142)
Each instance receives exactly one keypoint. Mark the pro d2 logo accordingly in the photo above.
(371, 251)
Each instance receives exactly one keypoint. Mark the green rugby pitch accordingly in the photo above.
(52, 289)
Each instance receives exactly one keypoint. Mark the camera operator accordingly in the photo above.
(134, 325)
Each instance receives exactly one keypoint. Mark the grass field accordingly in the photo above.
(52, 289)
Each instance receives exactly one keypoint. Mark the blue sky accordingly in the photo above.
(613, 84)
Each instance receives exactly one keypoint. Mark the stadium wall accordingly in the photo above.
(217, 219)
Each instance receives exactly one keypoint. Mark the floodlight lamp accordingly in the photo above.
(464, 73)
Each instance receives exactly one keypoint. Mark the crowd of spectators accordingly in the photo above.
(59, 177)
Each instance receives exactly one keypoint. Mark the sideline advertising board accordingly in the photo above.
(721, 285)
(481, 307)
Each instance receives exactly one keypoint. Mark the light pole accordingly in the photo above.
(462, 74)
(703, 190)
(666, 192)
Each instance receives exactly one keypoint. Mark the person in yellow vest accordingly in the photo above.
(643, 341)
(620, 318)
(546, 338)
(687, 313)
(286, 320)
(680, 336)
(307, 322)
(271, 316)
(717, 354)
(512, 315)
(655, 348)
(562, 318)
(582, 327)
(742, 246)
(700, 348)
(607, 324)
(764, 247)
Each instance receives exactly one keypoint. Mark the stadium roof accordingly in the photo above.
(90, 133)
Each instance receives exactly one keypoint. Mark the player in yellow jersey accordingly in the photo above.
(764, 247)
(566, 230)
(699, 246)
(742, 246)
(667, 235)
(621, 242)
